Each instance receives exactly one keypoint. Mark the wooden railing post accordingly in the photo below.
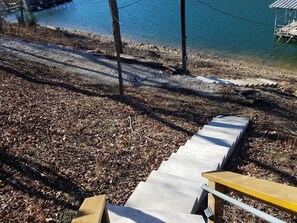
(92, 210)
(214, 203)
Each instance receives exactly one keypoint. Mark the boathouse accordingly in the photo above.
(285, 25)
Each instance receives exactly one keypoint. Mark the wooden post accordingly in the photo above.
(22, 12)
(183, 32)
(92, 210)
(116, 23)
(117, 40)
(214, 203)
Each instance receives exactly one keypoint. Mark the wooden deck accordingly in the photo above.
(288, 31)
(37, 5)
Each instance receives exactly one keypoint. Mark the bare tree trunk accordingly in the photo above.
(117, 40)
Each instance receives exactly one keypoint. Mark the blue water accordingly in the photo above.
(208, 30)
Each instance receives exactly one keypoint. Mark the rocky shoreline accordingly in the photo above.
(199, 63)
(74, 38)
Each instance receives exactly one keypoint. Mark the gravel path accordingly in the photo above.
(100, 69)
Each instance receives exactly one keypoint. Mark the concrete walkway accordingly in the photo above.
(173, 193)
(250, 82)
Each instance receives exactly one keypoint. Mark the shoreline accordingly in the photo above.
(192, 52)
(200, 63)
(237, 56)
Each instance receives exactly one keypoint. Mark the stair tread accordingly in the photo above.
(173, 182)
(153, 197)
(121, 214)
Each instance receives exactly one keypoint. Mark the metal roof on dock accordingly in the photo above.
(284, 4)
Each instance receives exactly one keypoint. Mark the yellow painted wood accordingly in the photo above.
(279, 195)
(216, 204)
(92, 210)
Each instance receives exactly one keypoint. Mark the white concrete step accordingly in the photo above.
(185, 172)
(239, 127)
(197, 144)
(204, 153)
(187, 186)
(192, 162)
(153, 197)
(120, 214)
(223, 129)
(214, 138)
(232, 120)
(229, 136)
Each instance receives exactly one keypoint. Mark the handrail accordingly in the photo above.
(244, 206)
(278, 195)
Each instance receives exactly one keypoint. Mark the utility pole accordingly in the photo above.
(183, 32)
(117, 40)
(116, 23)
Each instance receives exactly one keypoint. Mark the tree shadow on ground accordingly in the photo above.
(154, 112)
(33, 178)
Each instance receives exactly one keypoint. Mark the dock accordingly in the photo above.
(287, 31)
(38, 5)
(285, 25)
(9, 5)
(30, 5)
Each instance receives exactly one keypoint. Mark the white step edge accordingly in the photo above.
(228, 124)
(203, 146)
(239, 128)
(224, 129)
(187, 186)
(182, 171)
(231, 119)
(216, 157)
(192, 162)
(203, 154)
(153, 197)
(121, 214)
(227, 135)
(214, 139)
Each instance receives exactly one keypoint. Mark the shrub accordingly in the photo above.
(28, 20)
(31, 19)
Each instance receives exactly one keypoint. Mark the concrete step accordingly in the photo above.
(192, 162)
(203, 153)
(185, 172)
(214, 138)
(206, 146)
(232, 120)
(237, 122)
(237, 126)
(221, 128)
(191, 187)
(154, 197)
(229, 136)
(120, 214)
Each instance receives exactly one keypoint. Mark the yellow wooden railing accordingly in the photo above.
(278, 195)
(92, 210)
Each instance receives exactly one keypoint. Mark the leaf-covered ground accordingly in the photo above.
(63, 138)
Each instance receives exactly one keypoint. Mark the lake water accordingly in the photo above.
(208, 29)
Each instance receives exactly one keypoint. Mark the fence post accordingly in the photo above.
(214, 203)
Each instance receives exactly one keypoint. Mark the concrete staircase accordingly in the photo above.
(173, 193)
(250, 82)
